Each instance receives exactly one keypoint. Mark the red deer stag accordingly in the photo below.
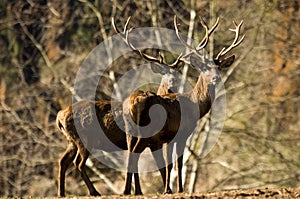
(182, 111)
(80, 117)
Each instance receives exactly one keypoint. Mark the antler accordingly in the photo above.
(125, 27)
(204, 41)
(125, 36)
(235, 42)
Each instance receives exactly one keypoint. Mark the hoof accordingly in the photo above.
(95, 193)
(169, 191)
(61, 194)
(126, 193)
(138, 193)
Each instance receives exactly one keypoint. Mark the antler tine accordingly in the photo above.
(128, 42)
(179, 37)
(214, 27)
(174, 64)
(125, 37)
(235, 42)
(210, 31)
(115, 27)
(139, 52)
(126, 25)
(204, 41)
(125, 34)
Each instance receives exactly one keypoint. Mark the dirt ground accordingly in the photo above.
(251, 193)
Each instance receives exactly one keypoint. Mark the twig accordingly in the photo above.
(35, 42)
(107, 42)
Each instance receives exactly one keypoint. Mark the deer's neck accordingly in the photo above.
(203, 94)
(162, 90)
(165, 89)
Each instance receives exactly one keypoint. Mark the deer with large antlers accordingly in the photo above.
(80, 117)
(179, 111)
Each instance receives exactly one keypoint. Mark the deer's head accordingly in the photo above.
(209, 68)
(170, 81)
(198, 58)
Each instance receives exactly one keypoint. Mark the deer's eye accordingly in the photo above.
(204, 69)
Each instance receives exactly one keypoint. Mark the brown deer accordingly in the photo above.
(182, 111)
(89, 116)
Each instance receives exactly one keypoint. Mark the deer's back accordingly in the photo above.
(98, 123)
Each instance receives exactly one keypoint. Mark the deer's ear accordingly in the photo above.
(159, 68)
(225, 63)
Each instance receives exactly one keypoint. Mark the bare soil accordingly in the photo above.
(249, 193)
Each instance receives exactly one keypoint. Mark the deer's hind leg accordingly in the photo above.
(157, 153)
(135, 148)
(79, 162)
(64, 164)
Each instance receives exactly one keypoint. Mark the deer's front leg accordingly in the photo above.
(162, 166)
(179, 161)
(169, 166)
(135, 149)
(64, 164)
(128, 178)
(139, 147)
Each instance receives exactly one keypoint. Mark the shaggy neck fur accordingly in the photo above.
(203, 94)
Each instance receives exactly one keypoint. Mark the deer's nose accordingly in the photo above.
(172, 82)
(216, 79)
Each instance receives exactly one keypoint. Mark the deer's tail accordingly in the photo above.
(60, 118)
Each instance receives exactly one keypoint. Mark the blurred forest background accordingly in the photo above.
(43, 43)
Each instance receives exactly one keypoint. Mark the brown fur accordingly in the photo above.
(183, 112)
(80, 118)
(81, 114)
